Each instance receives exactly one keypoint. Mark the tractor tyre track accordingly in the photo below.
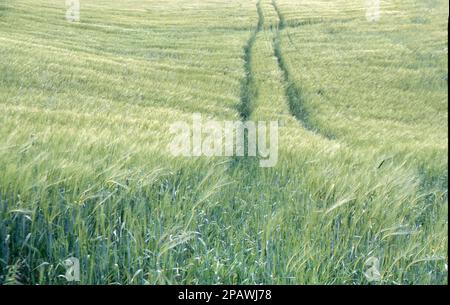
(248, 86)
(293, 93)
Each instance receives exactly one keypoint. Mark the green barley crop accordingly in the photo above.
(84, 127)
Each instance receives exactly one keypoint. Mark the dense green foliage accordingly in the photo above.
(85, 170)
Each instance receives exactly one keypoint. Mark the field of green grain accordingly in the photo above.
(85, 112)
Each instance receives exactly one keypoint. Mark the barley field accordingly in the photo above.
(362, 172)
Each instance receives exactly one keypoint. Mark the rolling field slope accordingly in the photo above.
(86, 109)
